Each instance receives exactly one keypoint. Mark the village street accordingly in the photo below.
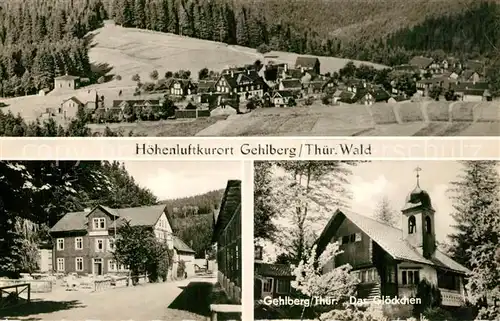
(179, 300)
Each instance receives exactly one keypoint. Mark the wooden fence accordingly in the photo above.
(14, 295)
(36, 286)
(100, 285)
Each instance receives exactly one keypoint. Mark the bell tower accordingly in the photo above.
(418, 220)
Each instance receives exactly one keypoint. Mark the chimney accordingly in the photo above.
(232, 73)
(286, 67)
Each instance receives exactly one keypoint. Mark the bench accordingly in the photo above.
(224, 308)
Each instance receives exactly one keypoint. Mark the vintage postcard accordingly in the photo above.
(120, 240)
(380, 240)
(249, 68)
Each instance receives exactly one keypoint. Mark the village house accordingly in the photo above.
(66, 82)
(470, 76)
(43, 92)
(185, 254)
(308, 64)
(246, 84)
(290, 84)
(470, 91)
(180, 87)
(69, 107)
(281, 98)
(272, 280)
(422, 63)
(425, 85)
(227, 239)
(371, 95)
(84, 241)
(391, 262)
(206, 86)
(475, 65)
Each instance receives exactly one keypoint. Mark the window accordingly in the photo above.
(78, 243)
(111, 265)
(79, 264)
(60, 264)
(428, 229)
(345, 239)
(111, 244)
(358, 237)
(99, 245)
(282, 286)
(267, 285)
(99, 223)
(60, 244)
(352, 238)
(410, 277)
(412, 225)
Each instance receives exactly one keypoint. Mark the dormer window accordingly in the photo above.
(428, 227)
(412, 225)
(99, 223)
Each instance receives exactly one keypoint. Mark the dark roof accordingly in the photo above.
(237, 78)
(185, 83)
(421, 62)
(390, 239)
(268, 269)
(284, 93)
(475, 65)
(206, 85)
(136, 102)
(137, 216)
(317, 84)
(291, 83)
(346, 96)
(379, 93)
(307, 62)
(67, 77)
(180, 246)
(478, 87)
(295, 73)
(230, 204)
(467, 74)
(76, 100)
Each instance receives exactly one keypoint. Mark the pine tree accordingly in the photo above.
(474, 193)
(476, 203)
(140, 14)
(385, 212)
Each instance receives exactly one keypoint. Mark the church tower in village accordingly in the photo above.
(418, 220)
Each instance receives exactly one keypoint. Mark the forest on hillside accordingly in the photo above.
(34, 195)
(463, 29)
(43, 39)
(193, 218)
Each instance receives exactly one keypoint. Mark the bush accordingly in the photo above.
(309, 101)
(430, 296)
(181, 269)
(263, 48)
(118, 77)
(101, 80)
(437, 314)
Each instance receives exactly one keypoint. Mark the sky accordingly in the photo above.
(176, 179)
(370, 182)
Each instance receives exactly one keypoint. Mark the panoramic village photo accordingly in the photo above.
(378, 240)
(120, 241)
(249, 68)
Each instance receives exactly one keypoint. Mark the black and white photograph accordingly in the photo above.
(377, 240)
(190, 68)
(109, 240)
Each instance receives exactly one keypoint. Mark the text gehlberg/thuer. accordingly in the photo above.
(324, 301)
(246, 149)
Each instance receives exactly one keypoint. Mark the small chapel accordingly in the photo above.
(390, 261)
